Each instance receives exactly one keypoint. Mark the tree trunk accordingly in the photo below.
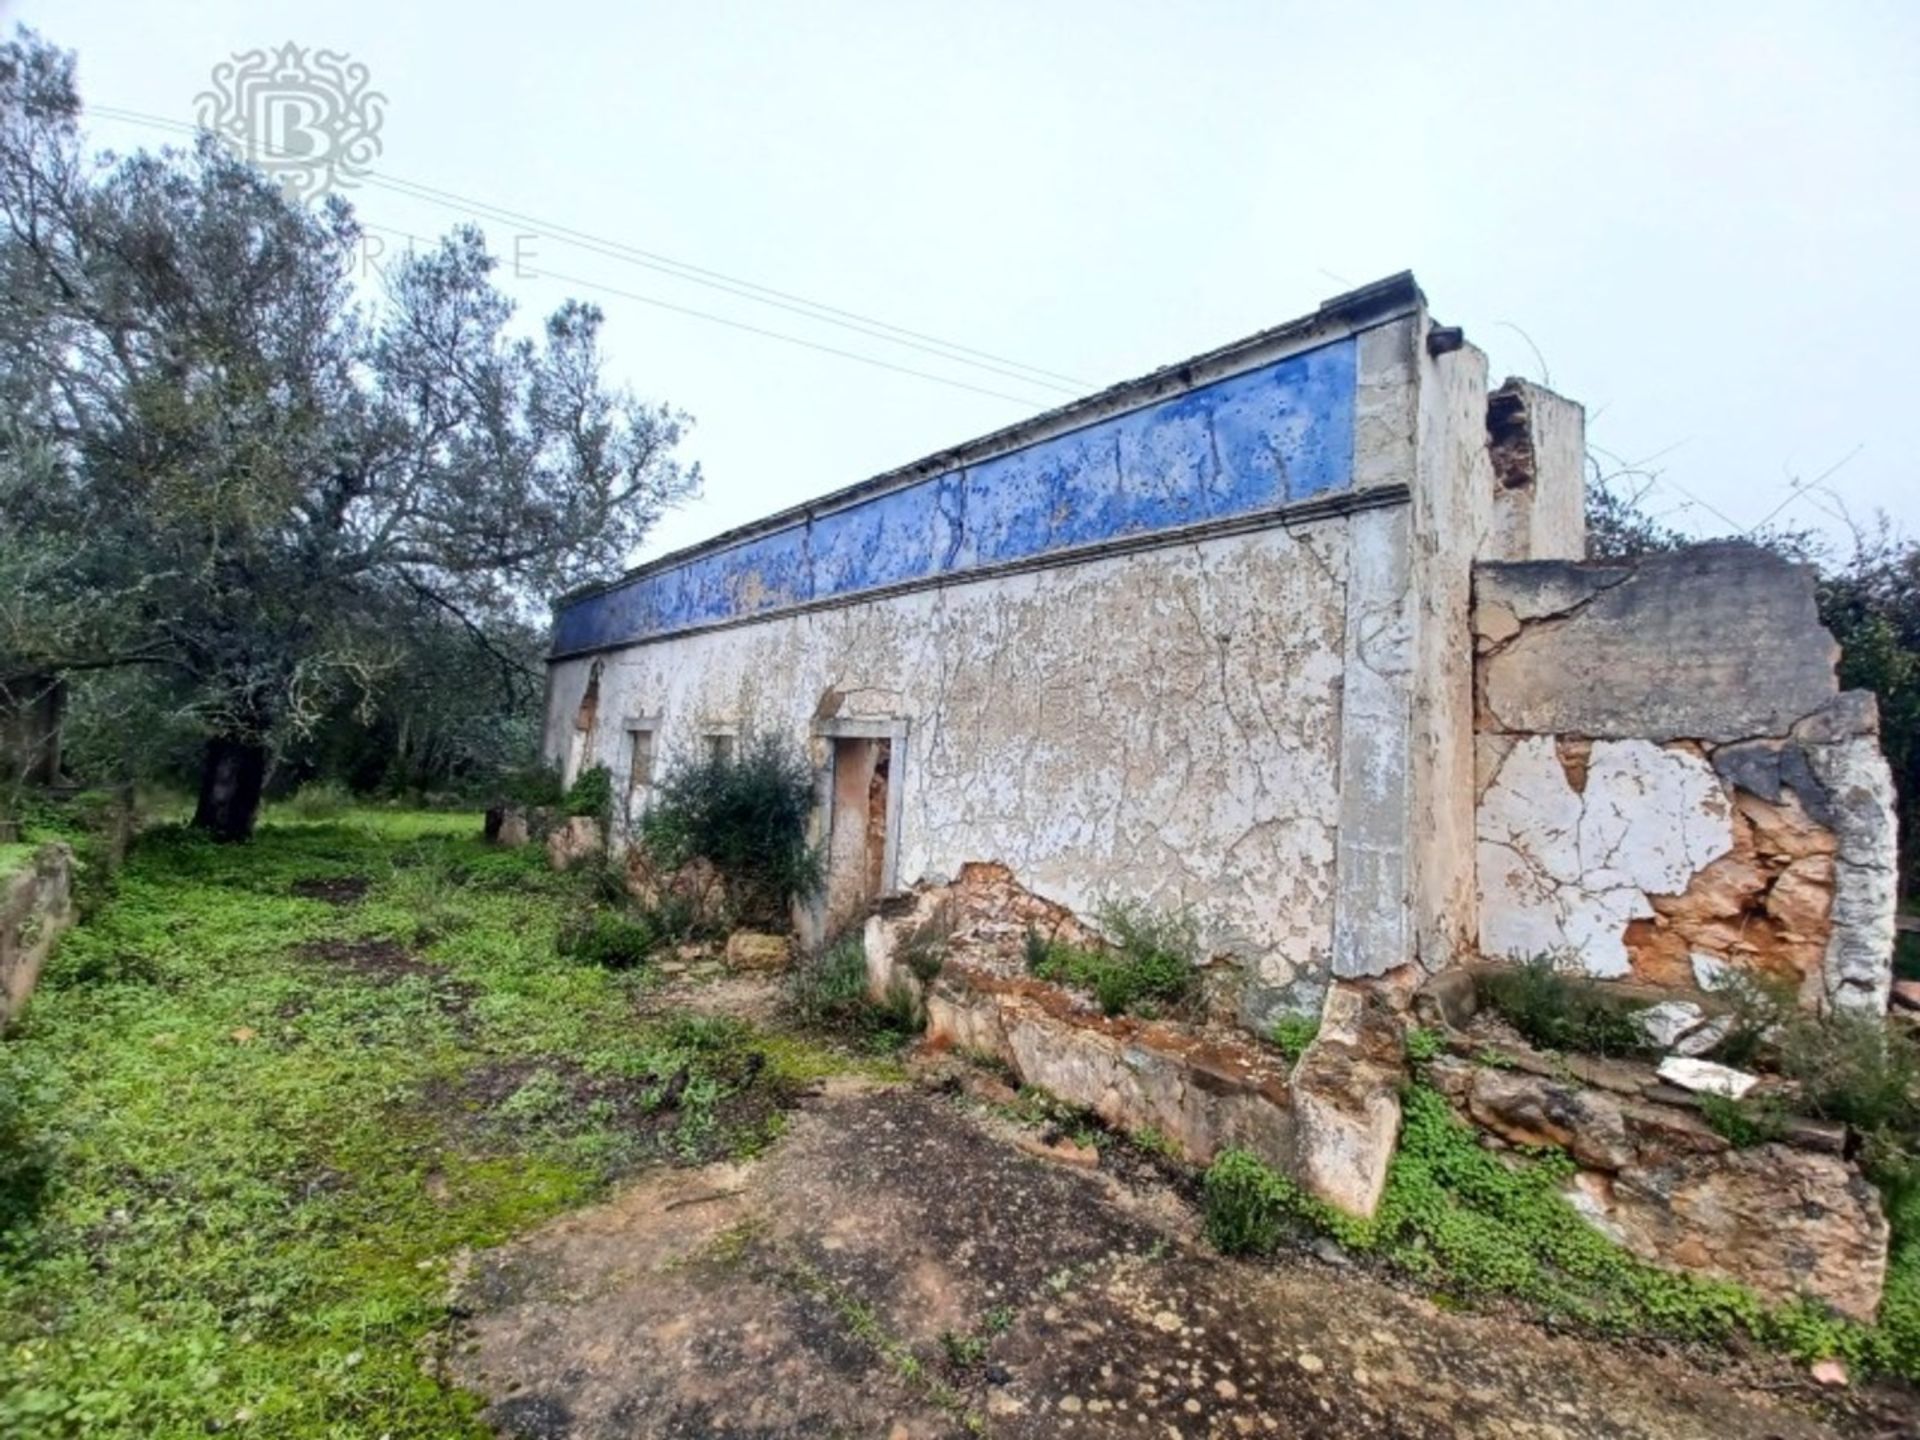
(232, 775)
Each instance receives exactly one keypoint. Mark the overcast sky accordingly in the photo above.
(1704, 218)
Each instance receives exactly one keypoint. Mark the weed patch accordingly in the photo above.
(1558, 1011)
(1146, 970)
(1292, 1034)
(244, 1128)
(1461, 1219)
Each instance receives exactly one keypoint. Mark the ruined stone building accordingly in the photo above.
(1297, 633)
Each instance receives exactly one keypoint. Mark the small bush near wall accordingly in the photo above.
(1559, 1011)
(746, 814)
(829, 992)
(591, 794)
(1149, 967)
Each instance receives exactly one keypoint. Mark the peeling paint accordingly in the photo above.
(1273, 435)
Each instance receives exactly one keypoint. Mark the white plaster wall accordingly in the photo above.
(1564, 871)
(1163, 725)
(1453, 500)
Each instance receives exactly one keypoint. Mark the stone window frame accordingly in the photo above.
(651, 725)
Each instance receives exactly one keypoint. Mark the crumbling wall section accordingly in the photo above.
(1671, 784)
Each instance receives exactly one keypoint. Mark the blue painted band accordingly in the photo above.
(1264, 438)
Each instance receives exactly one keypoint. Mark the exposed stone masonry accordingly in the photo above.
(1671, 785)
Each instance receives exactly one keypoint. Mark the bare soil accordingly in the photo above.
(898, 1268)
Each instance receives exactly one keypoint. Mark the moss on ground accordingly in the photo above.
(250, 1125)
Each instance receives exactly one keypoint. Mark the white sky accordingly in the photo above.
(1704, 216)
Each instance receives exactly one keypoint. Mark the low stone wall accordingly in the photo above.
(1202, 1092)
(1786, 1219)
(1330, 1121)
(36, 907)
(1789, 1218)
(1670, 783)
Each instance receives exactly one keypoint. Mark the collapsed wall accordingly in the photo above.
(1671, 784)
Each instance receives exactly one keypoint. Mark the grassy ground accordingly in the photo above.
(268, 1094)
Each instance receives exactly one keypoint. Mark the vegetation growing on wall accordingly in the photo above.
(1146, 968)
(1553, 1007)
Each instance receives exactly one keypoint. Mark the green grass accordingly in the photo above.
(15, 856)
(234, 1177)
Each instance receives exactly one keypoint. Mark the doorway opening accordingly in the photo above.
(858, 840)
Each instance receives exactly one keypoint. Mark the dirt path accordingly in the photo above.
(898, 1268)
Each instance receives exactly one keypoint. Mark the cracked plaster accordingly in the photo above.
(1563, 872)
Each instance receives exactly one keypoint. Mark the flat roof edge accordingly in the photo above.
(1342, 315)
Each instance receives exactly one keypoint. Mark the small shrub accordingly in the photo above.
(607, 938)
(1292, 1034)
(830, 988)
(1149, 965)
(1249, 1207)
(1854, 1069)
(531, 786)
(320, 800)
(591, 793)
(1744, 1124)
(1558, 1011)
(963, 1351)
(746, 814)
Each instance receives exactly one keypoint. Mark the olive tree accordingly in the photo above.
(221, 461)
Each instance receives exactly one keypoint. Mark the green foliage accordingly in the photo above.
(1424, 1046)
(1148, 967)
(746, 813)
(1559, 1011)
(1906, 956)
(1855, 1069)
(243, 1133)
(287, 479)
(830, 987)
(319, 800)
(1744, 1123)
(607, 938)
(530, 785)
(1292, 1034)
(591, 793)
(23, 1157)
(1466, 1220)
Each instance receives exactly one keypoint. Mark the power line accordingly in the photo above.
(776, 335)
(693, 274)
(732, 324)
